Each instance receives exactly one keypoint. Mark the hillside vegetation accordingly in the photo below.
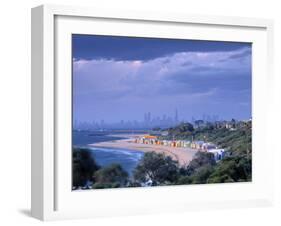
(236, 166)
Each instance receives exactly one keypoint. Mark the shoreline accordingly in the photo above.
(182, 155)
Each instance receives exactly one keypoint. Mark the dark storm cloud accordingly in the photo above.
(132, 48)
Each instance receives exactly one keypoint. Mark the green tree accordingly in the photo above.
(182, 128)
(198, 122)
(112, 176)
(83, 167)
(198, 170)
(180, 131)
(200, 159)
(157, 169)
(200, 176)
(232, 169)
(156, 129)
(184, 180)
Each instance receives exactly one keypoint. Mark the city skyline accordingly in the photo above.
(121, 78)
(149, 121)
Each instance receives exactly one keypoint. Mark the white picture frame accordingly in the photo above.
(52, 197)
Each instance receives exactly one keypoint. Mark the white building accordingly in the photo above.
(218, 153)
(208, 146)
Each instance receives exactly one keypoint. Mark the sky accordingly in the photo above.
(121, 78)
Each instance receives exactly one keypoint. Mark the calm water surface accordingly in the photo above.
(106, 156)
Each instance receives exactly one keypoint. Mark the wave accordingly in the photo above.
(129, 154)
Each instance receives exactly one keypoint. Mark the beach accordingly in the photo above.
(182, 155)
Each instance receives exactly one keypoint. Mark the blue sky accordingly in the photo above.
(117, 78)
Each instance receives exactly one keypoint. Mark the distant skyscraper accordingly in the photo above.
(145, 118)
(164, 118)
(148, 116)
(176, 116)
(193, 119)
(102, 124)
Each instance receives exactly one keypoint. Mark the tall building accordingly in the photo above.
(176, 116)
(148, 116)
(145, 118)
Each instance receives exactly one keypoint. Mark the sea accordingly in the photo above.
(105, 156)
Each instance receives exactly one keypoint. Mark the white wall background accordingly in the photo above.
(15, 111)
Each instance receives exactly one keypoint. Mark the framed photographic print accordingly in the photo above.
(137, 113)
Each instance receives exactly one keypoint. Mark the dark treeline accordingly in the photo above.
(153, 169)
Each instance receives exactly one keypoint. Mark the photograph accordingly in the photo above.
(150, 111)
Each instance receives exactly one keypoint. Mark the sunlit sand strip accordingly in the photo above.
(182, 155)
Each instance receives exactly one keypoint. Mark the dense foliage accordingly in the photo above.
(156, 169)
(83, 167)
(86, 172)
(235, 167)
(181, 131)
(112, 176)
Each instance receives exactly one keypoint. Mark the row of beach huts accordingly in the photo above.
(198, 145)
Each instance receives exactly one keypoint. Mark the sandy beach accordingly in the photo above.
(182, 155)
